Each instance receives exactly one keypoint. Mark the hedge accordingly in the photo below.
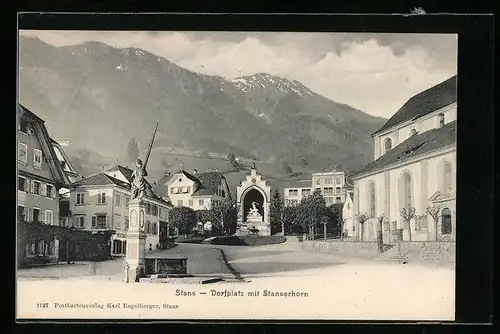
(247, 240)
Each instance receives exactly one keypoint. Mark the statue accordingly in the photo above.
(139, 182)
(254, 212)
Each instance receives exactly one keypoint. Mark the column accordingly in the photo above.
(136, 239)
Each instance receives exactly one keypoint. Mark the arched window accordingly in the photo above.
(413, 132)
(388, 144)
(446, 221)
(448, 178)
(371, 198)
(406, 190)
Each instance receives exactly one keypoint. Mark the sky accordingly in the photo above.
(375, 73)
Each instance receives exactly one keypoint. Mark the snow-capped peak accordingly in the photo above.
(264, 80)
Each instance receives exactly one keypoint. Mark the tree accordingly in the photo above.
(380, 238)
(223, 215)
(276, 213)
(183, 218)
(335, 215)
(285, 167)
(324, 220)
(310, 211)
(133, 150)
(362, 218)
(234, 165)
(303, 161)
(408, 214)
(434, 212)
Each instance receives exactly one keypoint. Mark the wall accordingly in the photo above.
(207, 202)
(90, 207)
(348, 215)
(400, 133)
(33, 143)
(345, 248)
(175, 183)
(297, 197)
(427, 176)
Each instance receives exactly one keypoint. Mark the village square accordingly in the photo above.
(401, 206)
(178, 176)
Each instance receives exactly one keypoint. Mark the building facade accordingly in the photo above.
(331, 184)
(40, 177)
(294, 191)
(100, 203)
(414, 167)
(198, 191)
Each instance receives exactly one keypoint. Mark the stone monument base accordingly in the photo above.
(257, 223)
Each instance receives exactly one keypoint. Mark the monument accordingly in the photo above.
(136, 237)
(253, 196)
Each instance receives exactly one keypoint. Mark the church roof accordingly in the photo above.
(414, 146)
(430, 100)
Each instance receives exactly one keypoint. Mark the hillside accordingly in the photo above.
(99, 97)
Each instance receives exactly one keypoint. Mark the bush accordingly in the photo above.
(248, 240)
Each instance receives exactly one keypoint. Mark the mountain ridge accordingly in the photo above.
(86, 91)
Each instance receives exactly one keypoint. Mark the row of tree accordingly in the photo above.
(407, 215)
(307, 217)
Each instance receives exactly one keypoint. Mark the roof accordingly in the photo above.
(101, 179)
(298, 184)
(424, 103)
(206, 183)
(127, 172)
(415, 146)
(209, 182)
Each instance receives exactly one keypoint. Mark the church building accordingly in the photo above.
(414, 167)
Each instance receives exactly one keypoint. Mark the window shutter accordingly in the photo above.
(103, 195)
(94, 221)
(32, 184)
(107, 221)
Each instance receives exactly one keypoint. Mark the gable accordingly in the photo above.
(41, 133)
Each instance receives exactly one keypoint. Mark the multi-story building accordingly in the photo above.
(100, 202)
(40, 177)
(332, 186)
(198, 191)
(294, 191)
(414, 167)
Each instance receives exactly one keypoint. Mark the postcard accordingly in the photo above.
(236, 175)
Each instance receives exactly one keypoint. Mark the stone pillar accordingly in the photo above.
(136, 239)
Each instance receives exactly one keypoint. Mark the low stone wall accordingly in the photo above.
(362, 249)
(430, 252)
(417, 252)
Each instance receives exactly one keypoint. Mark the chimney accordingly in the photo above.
(195, 171)
(217, 170)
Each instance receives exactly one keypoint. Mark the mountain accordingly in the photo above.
(99, 97)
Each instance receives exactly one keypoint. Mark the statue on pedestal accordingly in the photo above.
(139, 182)
(254, 212)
